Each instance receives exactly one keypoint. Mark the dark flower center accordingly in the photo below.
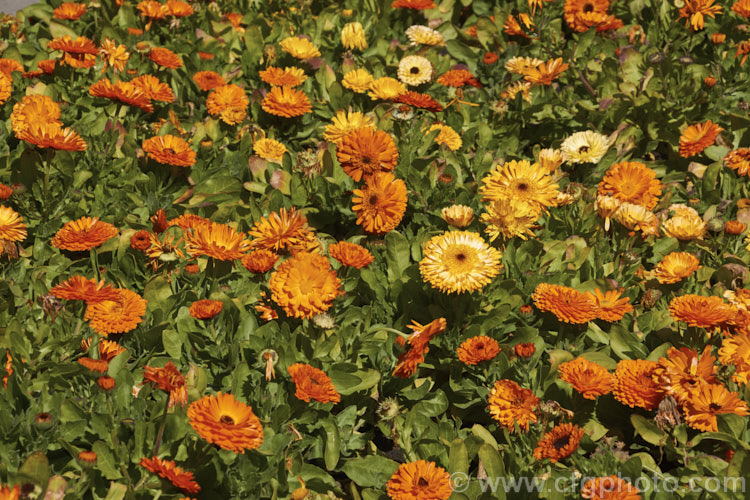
(372, 200)
(583, 149)
(714, 407)
(460, 257)
(366, 160)
(588, 8)
(422, 482)
(561, 442)
(414, 70)
(523, 187)
(226, 419)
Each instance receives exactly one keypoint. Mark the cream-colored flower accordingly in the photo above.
(458, 216)
(585, 147)
(422, 35)
(415, 70)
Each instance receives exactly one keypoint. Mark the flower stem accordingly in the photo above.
(116, 444)
(160, 434)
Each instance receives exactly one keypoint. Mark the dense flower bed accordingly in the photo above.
(365, 250)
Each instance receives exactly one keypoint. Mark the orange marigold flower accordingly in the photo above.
(561, 442)
(8, 368)
(218, 241)
(8, 66)
(609, 488)
(419, 480)
(181, 479)
(83, 234)
(634, 385)
(116, 316)
(413, 4)
(152, 9)
(676, 266)
(135, 31)
(94, 365)
(208, 80)
(141, 240)
(283, 230)
(586, 377)
(695, 12)
(701, 407)
(229, 102)
(178, 8)
(525, 350)
(69, 10)
(567, 304)
(457, 78)
(742, 8)
(10, 493)
(734, 227)
(87, 458)
(407, 363)
(312, 383)
(113, 54)
(259, 261)
(52, 135)
(5, 191)
(739, 160)
(12, 227)
(224, 421)
(79, 53)
(189, 221)
(206, 308)
(206, 56)
(125, 92)
(631, 182)
(304, 285)
(735, 350)
(6, 87)
(546, 73)
(351, 254)
(169, 150)
(287, 102)
(696, 138)
(80, 288)
(165, 57)
(610, 306)
(290, 76)
(106, 383)
(380, 204)
(511, 405)
(159, 221)
(702, 312)
(34, 109)
(264, 307)
(366, 151)
(153, 88)
(683, 371)
(421, 101)
(490, 58)
(170, 380)
(477, 349)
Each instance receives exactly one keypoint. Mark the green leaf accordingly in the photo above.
(484, 435)
(105, 460)
(492, 461)
(648, 430)
(172, 343)
(397, 251)
(35, 470)
(458, 457)
(332, 443)
(372, 470)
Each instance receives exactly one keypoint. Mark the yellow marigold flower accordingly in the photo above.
(522, 65)
(459, 261)
(637, 218)
(685, 227)
(353, 37)
(386, 88)
(358, 80)
(345, 123)
(520, 181)
(509, 217)
(114, 55)
(447, 136)
(299, 47)
(458, 216)
(695, 12)
(269, 149)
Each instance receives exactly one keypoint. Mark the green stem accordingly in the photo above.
(95, 263)
(116, 443)
(47, 169)
(160, 434)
